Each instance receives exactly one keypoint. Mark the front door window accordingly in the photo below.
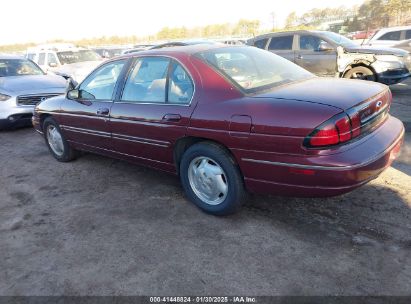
(101, 83)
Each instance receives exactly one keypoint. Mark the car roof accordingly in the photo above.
(394, 28)
(176, 50)
(273, 34)
(181, 43)
(11, 56)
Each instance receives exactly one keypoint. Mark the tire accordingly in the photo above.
(62, 152)
(361, 72)
(215, 168)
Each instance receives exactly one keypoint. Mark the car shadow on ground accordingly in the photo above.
(403, 162)
(357, 218)
(96, 215)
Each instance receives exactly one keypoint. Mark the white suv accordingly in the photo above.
(390, 36)
(66, 60)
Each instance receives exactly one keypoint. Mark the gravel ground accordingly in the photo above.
(98, 226)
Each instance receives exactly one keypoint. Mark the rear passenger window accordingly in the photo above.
(147, 81)
(261, 43)
(408, 34)
(42, 58)
(391, 36)
(281, 43)
(158, 80)
(180, 85)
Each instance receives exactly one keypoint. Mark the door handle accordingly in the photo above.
(172, 117)
(103, 111)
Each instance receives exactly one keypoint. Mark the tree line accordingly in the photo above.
(372, 14)
(243, 27)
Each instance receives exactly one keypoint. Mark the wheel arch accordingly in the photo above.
(43, 117)
(360, 63)
(184, 143)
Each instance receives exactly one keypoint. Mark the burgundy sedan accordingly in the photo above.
(227, 120)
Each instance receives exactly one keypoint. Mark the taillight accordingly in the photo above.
(344, 128)
(337, 130)
(355, 124)
(356, 121)
(325, 136)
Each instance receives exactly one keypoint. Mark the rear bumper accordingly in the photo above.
(326, 175)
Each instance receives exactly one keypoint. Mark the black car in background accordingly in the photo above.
(329, 54)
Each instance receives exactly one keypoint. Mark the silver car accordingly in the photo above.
(22, 85)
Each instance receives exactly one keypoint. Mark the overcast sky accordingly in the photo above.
(41, 20)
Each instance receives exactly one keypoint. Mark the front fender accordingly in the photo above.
(345, 60)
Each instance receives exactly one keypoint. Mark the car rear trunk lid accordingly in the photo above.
(340, 93)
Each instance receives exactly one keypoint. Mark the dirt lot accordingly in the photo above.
(99, 226)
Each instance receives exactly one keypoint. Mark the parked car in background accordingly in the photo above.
(168, 44)
(22, 85)
(65, 60)
(329, 54)
(390, 36)
(227, 119)
(232, 41)
(133, 50)
(180, 43)
(108, 52)
(137, 48)
(405, 45)
(361, 35)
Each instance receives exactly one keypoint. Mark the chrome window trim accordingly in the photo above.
(152, 103)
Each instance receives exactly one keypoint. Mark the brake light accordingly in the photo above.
(338, 129)
(344, 128)
(326, 136)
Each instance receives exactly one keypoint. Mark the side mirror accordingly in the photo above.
(325, 46)
(73, 94)
(52, 64)
(72, 84)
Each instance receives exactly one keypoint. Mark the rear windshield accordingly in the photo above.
(18, 67)
(69, 57)
(253, 69)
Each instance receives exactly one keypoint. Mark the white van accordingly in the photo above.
(64, 59)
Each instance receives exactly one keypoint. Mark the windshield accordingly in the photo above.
(18, 67)
(338, 39)
(68, 57)
(253, 69)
